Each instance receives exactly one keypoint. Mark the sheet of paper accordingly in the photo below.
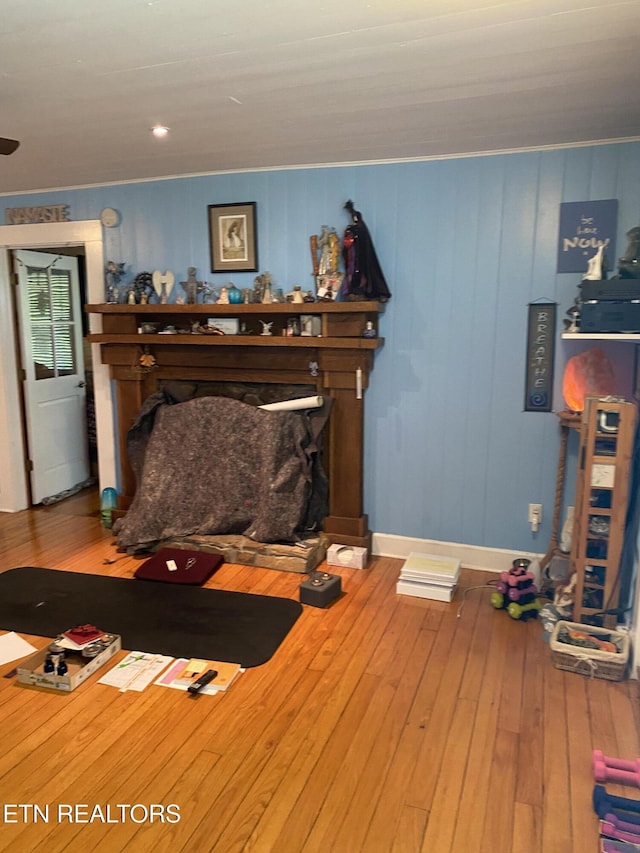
(13, 647)
(167, 678)
(136, 671)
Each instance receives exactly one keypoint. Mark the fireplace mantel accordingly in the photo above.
(338, 363)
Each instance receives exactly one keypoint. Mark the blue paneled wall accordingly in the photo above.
(465, 245)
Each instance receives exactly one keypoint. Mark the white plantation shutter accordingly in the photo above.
(51, 318)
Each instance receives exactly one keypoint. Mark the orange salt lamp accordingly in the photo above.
(588, 374)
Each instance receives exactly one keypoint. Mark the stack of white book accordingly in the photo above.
(429, 576)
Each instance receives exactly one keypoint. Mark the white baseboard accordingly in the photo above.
(471, 556)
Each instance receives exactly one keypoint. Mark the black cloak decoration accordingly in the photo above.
(363, 279)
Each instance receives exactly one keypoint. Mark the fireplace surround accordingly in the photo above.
(336, 363)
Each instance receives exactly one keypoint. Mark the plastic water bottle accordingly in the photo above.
(108, 502)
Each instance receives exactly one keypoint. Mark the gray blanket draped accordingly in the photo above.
(214, 465)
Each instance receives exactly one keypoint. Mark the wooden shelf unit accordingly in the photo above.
(602, 489)
(337, 363)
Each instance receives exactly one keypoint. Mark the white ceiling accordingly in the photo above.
(268, 83)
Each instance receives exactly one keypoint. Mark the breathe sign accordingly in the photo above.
(584, 227)
(30, 215)
(541, 333)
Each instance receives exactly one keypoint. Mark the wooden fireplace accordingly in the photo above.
(337, 362)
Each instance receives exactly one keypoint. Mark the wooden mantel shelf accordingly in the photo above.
(337, 363)
(219, 310)
(342, 324)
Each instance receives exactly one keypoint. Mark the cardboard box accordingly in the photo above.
(31, 671)
(347, 556)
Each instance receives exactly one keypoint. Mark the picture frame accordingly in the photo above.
(233, 237)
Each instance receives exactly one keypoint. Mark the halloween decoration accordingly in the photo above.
(364, 279)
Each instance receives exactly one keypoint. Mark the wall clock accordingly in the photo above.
(110, 217)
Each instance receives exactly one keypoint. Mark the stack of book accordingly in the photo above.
(429, 576)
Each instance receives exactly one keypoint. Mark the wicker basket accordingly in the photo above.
(591, 662)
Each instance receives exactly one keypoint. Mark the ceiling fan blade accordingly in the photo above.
(8, 146)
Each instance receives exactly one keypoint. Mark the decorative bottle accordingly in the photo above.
(108, 502)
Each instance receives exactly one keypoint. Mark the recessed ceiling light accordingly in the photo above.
(159, 131)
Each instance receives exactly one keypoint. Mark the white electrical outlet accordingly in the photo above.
(535, 517)
(535, 513)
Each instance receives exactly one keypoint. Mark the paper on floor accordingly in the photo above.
(13, 647)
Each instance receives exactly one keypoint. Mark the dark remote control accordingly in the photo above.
(197, 686)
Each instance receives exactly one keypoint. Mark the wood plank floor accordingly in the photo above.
(383, 723)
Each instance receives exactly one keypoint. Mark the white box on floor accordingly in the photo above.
(347, 556)
(31, 670)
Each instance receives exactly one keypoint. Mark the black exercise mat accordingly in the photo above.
(181, 621)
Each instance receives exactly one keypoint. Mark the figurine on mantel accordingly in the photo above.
(262, 286)
(113, 274)
(363, 278)
(572, 325)
(325, 264)
(191, 286)
(296, 294)
(163, 284)
(142, 288)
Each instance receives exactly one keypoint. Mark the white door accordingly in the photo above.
(53, 380)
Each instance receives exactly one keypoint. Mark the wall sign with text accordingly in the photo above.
(31, 215)
(541, 334)
(584, 226)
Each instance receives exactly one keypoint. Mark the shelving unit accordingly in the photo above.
(606, 444)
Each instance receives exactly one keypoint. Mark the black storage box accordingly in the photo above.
(611, 289)
(320, 589)
(608, 316)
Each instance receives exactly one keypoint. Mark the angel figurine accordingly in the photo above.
(113, 274)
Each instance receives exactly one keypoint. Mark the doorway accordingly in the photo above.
(14, 491)
(49, 313)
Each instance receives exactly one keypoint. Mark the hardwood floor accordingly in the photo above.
(384, 723)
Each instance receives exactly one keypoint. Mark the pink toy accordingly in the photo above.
(606, 769)
(608, 830)
(610, 845)
(516, 594)
(622, 823)
(520, 580)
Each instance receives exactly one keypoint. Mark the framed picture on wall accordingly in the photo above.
(233, 237)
